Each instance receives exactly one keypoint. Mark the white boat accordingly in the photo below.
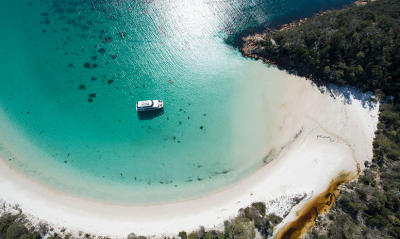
(146, 105)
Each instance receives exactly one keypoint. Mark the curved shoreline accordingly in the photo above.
(307, 163)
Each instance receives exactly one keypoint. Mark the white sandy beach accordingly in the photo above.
(319, 137)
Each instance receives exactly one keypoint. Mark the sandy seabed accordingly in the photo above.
(321, 133)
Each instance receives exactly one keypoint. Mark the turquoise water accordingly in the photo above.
(71, 72)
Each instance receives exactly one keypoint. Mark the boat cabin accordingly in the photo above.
(147, 105)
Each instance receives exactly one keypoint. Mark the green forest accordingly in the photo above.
(357, 46)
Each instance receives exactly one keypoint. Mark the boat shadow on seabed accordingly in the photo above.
(148, 115)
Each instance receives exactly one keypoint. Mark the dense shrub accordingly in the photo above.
(11, 227)
(242, 227)
(358, 46)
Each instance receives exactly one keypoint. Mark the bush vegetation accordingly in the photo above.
(241, 227)
(12, 227)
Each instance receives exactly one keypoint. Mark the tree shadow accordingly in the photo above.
(349, 93)
(148, 115)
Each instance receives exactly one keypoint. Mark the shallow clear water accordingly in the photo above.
(71, 72)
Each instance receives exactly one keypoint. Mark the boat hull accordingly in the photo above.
(150, 109)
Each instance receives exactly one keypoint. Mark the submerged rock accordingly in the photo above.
(107, 39)
(102, 50)
(86, 65)
(46, 21)
(122, 34)
(81, 87)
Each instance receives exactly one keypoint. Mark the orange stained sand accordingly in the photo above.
(310, 211)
